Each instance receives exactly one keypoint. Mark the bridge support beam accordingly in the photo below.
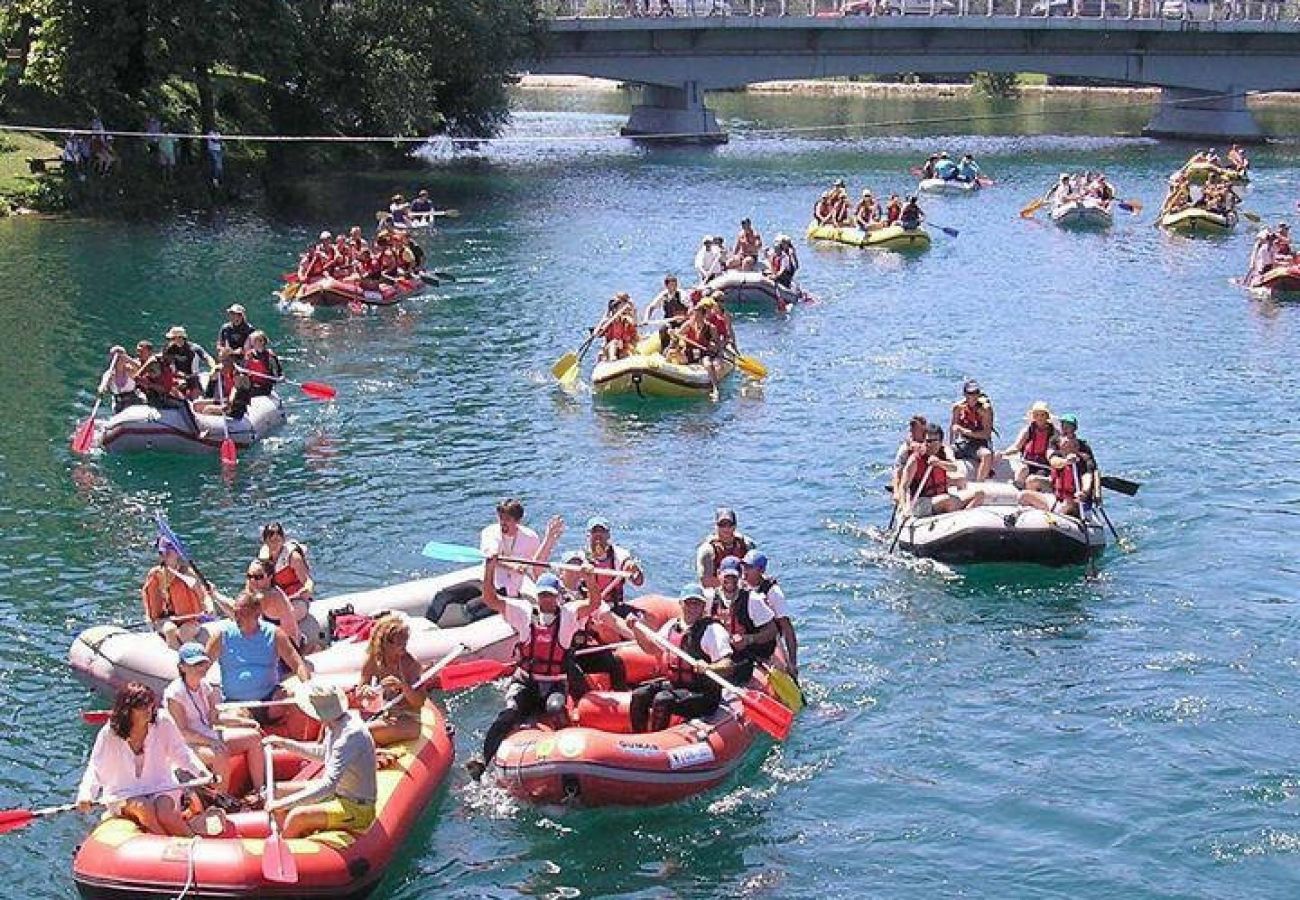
(673, 115)
(1200, 115)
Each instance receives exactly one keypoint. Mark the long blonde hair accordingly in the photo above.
(385, 625)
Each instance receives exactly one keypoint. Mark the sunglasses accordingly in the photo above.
(256, 576)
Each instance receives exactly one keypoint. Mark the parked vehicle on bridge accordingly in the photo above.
(920, 7)
(1084, 9)
(1201, 10)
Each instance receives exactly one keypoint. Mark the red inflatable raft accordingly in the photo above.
(119, 860)
(596, 761)
(329, 291)
(1281, 279)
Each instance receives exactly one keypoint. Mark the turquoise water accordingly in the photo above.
(985, 732)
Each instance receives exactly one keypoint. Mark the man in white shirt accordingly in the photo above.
(754, 572)
(545, 634)
(708, 259)
(686, 691)
(510, 538)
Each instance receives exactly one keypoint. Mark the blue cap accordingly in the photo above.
(730, 564)
(597, 522)
(548, 584)
(166, 546)
(192, 654)
(692, 591)
(756, 560)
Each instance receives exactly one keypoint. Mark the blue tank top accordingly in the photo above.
(249, 665)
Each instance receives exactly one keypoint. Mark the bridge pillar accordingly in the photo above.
(1201, 115)
(673, 115)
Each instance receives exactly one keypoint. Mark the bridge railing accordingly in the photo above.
(1186, 10)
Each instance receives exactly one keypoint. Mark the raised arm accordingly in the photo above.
(491, 599)
(290, 656)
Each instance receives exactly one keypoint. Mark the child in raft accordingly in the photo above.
(619, 330)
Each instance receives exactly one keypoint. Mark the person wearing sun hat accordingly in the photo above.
(1029, 467)
(343, 798)
(545, 634)
(185, 356)
(686, 691)
(725, 541)
(235, 333)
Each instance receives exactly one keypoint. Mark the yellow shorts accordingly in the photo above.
(348, 815)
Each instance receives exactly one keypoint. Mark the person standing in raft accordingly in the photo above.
(509, 537)
(250, 653)
(545, 633)
(686, 691)
(343, 798)
(725, 541)
(174, 603)
(139, 751)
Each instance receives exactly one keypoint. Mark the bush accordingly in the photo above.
(1003, 85)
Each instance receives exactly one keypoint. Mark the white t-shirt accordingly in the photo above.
(775, 600)
(200, 706)
(708, 262)
(524, 544)
(519, 616)
(759, 610)
(715, 643)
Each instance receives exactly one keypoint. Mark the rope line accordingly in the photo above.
(561, 139)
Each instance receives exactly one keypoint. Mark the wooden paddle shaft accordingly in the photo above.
(686, 657)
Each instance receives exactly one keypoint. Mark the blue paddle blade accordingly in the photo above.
(165, 532)
(456, 553)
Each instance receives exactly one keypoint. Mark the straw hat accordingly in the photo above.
(177, 331)
(1040, 406)
(322, 702)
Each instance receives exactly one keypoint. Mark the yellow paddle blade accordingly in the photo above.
(1031, 208)
(785, 689)
(1251, 216)
(564, 364)
(291, 290)
(570, 378)
(751, 366)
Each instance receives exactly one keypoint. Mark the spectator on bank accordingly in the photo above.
(216, 151)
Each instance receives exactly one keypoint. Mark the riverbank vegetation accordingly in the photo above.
(289, 67)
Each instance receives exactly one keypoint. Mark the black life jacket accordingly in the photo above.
(743, 623)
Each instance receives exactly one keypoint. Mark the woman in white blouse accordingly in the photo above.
(136, 755)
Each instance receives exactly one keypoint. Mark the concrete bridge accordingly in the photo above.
(1205, 66)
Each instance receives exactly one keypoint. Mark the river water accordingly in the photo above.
(985, 732)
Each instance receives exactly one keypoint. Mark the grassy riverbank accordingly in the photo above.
(19, 188)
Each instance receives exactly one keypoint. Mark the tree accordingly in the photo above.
(996, 84)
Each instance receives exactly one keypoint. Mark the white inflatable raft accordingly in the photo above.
(445, 611)
(142, 428)
(754, 290)
(947, 186)
(1088, 212)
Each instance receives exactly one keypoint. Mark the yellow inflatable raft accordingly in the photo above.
(1194, 220)
(891, 237)
(647, 373)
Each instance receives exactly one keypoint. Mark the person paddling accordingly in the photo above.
(749, 621)
(1031, 446)
(118, 380)
(174, 603)
(910, 216)
(545, 635)
(923, 488)
(508, 536)
(758, 583)
(724, 542)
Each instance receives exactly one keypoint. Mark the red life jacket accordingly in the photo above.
(718, 322)
(621, 329)
(225, 384)
(541, 656)
(608, 561)
(285, 578)
(739, 547)
(679, 671)
(1035, 449)
(968, 417)
(936, 484)
(1063, 485)
(166, 376)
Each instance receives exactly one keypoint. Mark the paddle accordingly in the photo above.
(1250, 216)
(1110, 482)
(84, 436)
(427, 678)
(316, 390)
(1132, 206)
(1032, 207)
(766, 712)
(910, 503)
(165, 531)
(951, 232)
(459, 553)
(13, 819)
(985, 181)
(601, 648)
(566, 368)
(746, 364)
(1090, 559)
(278, 863)
(473, 673)
(785, 687)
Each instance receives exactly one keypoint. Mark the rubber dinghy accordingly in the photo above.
(595, 760)
(1199, 173)
(119, 860)
(1002, 531)
(1087, 212)
(948, 186)
(754, 290)
(1194, 220)
(329, 291)
(647, 373)
(141, 428)
(890, 237)
(1279, 280)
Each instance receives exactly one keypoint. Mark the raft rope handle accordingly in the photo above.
(189, 867)
(578, 138)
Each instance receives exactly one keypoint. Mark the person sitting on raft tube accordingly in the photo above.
(422, 204)
(910, 216)
(927, 170)
(391, 673)
(709, 259)
(1072, 475)
(261, 364)
(343, 798)
(1237, 160)
(545, 633)
(174, 603)
(913, 441)
(867, 213)
(782, 264)
(686, 691)
(235, 333)
(893, 209)
(317, 260)
(971, 429)
(216, 739)
(250, 653)
(118, 380)
(601, 553)
(1031, 446)
(824, 209)
(1179, 196)
(725, 542)
(508, 536)
(757, 582)
(697, 342)
(185, 356)
(397, 210)
(286, 561)
(747, 618)
(945, 168)
(924, 482)
(619, 329)
(138, 751)
(968, 170)
(748, 248)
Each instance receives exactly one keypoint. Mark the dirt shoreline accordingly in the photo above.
(883, 89)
